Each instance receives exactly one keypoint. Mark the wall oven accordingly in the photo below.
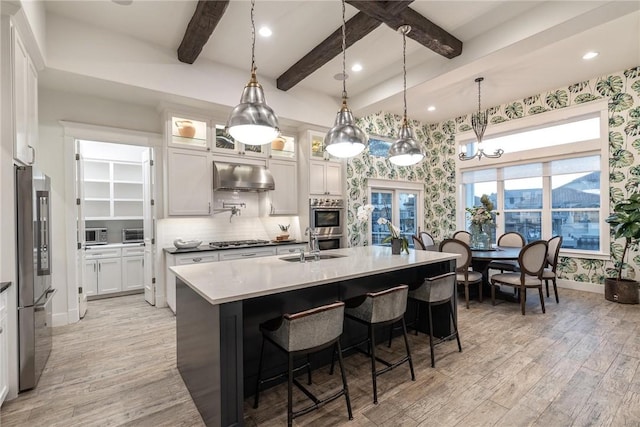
(326, 217)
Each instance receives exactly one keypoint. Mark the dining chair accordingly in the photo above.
(427, 239)
(417, 244)
(509, 240)
(463, 236)
(463, 274)
(549, 272)
(531, 259)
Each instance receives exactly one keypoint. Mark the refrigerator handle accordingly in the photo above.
(49, 296)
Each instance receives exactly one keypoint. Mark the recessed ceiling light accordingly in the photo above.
(356, 68)
(431, 108)
(341, 76)
(265, 32)
(590, 55)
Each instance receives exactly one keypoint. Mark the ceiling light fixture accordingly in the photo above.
(590, 55)
(345, 139)
(406, 150)
(431, 108)
(479, 122)
(252, 121)
(356, 67)
(265, 32)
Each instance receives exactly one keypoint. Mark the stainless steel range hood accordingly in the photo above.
(237, 177)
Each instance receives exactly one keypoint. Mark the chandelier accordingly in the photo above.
(479, 122)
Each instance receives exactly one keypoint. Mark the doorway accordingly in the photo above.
(115, 221)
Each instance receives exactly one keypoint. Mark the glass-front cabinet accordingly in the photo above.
(318, 148)
(188, 131)
(283, 147)
(225, 144)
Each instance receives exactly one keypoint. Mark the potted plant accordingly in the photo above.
(625, 222)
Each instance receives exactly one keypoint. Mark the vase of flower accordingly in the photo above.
(482, 219)
(396, 246)
(480, 239)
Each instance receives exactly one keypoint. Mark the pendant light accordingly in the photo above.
(406, 150)
(345, 139)
(252, 121)
(479, 123)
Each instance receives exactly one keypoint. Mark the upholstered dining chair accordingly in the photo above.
(417, 244)
(427, 239)
(463, 274)
(549, 272)
(509, 240)
(463, 236)
(531, 259)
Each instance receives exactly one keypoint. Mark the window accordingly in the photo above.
(401, 203)
(549, 181)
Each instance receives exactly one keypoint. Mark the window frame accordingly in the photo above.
(598, 146)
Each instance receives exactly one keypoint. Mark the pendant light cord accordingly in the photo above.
(479, 80)
(344, 55)
(404, 72)
(253, 38)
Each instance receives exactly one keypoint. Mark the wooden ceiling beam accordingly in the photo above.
(355, 29)
(423, 30)
(203, 22)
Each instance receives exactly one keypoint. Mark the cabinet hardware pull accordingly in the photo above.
(33, 150)
(0, 330)
(94, 268)
(197, 259)
(249, 254)
(99, 266)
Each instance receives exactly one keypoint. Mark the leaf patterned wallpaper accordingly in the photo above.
(437, 171)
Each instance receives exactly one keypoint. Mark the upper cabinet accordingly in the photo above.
(284, 199)
(188, 131)
(20, 77)
(283, 148)
(325, 178)
(189, 183)
(317, 147)
(225, 144)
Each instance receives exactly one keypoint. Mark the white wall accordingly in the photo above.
(53, 107)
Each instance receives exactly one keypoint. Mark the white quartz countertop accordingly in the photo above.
(235, 280)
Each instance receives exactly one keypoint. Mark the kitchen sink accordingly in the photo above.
(310, 257)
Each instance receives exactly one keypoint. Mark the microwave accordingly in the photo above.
(132, 235)
(95, 236)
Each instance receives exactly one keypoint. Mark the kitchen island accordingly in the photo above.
(222, 304)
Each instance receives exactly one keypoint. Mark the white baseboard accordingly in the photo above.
(61, 319)
(581, 286)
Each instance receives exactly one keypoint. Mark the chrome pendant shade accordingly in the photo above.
(252, 121)
(406, 150)
(479, 123)
(345, 139)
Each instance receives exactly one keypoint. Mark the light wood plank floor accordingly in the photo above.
(576, 365)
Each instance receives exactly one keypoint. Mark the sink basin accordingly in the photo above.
(309, 257)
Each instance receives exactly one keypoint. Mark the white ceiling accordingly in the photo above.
(522, 48)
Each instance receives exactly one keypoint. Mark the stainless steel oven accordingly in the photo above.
(326, 217)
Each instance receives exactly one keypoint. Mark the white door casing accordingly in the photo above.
(149, 223)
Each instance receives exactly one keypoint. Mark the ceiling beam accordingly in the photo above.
(200, 28)
(423, 31)
(355, 29)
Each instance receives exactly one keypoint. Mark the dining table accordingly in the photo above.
(481, 258)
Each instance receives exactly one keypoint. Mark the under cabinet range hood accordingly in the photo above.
(237, 177)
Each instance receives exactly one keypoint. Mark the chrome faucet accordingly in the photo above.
(313, 241)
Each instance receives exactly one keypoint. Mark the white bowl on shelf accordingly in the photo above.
(186, 244)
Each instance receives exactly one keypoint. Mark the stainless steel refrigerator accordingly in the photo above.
(33, 217)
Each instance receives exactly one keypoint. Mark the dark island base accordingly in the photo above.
(213, 339)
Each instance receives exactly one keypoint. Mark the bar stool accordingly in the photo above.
(436, 291)
(376, 309)
(301, 334)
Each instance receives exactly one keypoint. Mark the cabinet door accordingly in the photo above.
(284, 199)
(21, 150)
(4, 349)
(109, 275)
(32, 110)
(170, 278)
(247, 253)
(132, 273)
(333, 179)
(190, 184)
(317, 175)
(90, 277)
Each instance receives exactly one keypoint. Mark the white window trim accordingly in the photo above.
(597, 146)
(384, 184)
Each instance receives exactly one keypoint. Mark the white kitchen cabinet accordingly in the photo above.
(284, 199)
(189, 131)
(291, 249)
(190, 182)
(225, 144)
(4, 348)
(133, 268)
(182, 259)
(23, 79)
(112, 189)
(247, 253)
(103, 266)
(325, 178)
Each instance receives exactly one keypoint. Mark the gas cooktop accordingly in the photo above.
(237, 243)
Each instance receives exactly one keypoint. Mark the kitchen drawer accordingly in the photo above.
(247, 253)
(3, 303)
(135, 251)
(193, 259)
(102, 253)
(290, 249)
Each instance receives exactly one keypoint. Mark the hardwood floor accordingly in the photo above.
(578, 365)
